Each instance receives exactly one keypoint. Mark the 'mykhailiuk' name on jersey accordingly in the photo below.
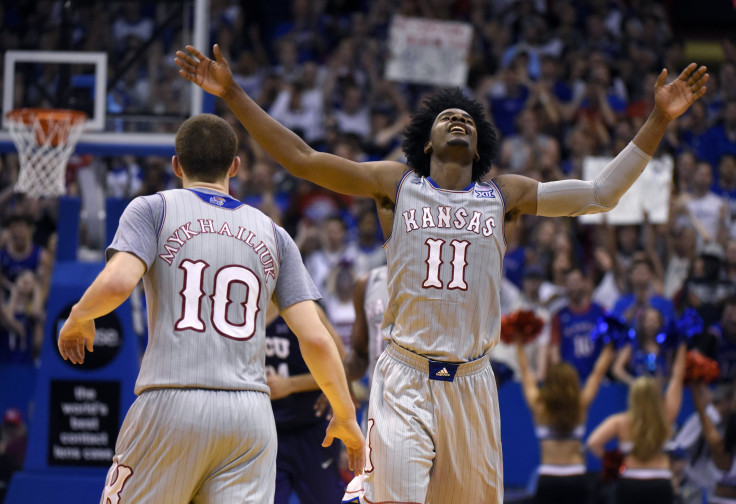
(184, 233)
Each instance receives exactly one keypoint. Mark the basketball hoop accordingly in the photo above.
(45, 139)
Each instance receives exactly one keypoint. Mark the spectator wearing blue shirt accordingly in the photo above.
(721, 138)
(642, 356)
(508, 96)
(21, 254)
(572, 326)
(632, 306)
(693, 128)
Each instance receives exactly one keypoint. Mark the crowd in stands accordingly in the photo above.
(563, 81)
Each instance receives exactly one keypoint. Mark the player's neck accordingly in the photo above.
(450, 176)
(215, 186)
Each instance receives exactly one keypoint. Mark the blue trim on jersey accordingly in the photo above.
(219, 200)
(503, 221)
(396, 198)
(434, 184)
(278, 242)
(163, 216)
(354, 500)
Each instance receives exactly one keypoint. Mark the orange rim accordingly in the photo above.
(26, 115)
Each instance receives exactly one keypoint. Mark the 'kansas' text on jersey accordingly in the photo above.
(445, 256)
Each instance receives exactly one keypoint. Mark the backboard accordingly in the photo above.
(120, 84)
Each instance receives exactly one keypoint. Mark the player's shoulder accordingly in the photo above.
(391, 174)
(149, 203)
(159, 198)
(166, 193)
(387, 167)
(284, 241)
(621, 420)
(518, 191)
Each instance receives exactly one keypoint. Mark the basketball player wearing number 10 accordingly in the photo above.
(434, 430)
(202, 429)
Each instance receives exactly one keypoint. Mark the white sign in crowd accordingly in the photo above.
(426, 51)
(649, 195)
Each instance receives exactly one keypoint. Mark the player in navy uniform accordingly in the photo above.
(431, 436)
(303, 465)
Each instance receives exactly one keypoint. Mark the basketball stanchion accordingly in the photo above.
(45, 139)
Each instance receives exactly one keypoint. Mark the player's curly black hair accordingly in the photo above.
(418, 130)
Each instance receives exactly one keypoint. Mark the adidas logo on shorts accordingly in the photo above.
(442, 371)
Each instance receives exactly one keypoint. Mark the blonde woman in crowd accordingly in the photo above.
(642, 432)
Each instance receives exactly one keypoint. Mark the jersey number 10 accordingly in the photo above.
(193, 292)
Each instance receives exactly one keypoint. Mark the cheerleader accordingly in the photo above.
(642, 432)
(644, 356)
(559, 409)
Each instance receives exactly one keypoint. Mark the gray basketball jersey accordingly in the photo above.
(213, 265)
(444, 269)
(375, 301)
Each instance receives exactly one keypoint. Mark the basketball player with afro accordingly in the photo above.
(433, 423)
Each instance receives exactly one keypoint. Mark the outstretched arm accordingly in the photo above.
(619, 366)
(377, 180)
(673, 394)
(111, 287)
(593, 383)
(579, 197)
(602, 434)
(528, 380)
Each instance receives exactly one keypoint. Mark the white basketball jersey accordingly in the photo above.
(444, 269)
(375, 301)
(207, 291)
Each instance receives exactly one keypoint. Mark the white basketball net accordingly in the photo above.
(44, 150)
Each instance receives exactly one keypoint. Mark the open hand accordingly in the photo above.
(215, 77)
(675, 98)
(351, 435)
(74, 337)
